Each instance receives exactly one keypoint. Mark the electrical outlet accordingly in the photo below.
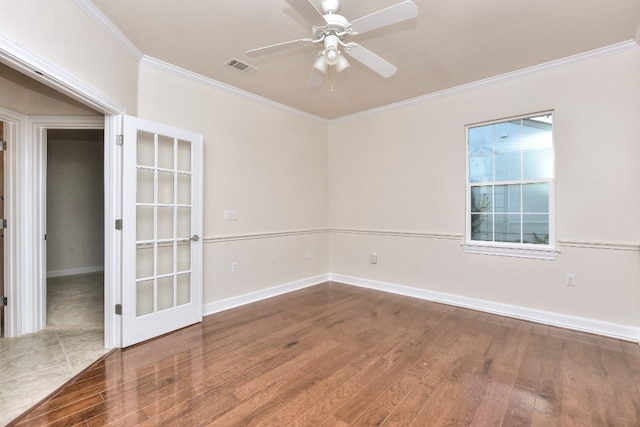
(571, 279)
(234, 267)
(307, 254)
(373, 258)
(272, 261)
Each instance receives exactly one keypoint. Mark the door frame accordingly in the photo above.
(14, 130)
(23, 317)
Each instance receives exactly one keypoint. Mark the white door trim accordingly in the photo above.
(34, 66)
(14, 130)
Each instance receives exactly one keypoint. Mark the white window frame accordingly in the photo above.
(521, 250)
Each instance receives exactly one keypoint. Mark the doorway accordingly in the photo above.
(75, 229)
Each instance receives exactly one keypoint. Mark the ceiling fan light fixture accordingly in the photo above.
(321, 64)
(333, 30)
(331, 55)
(342, 63)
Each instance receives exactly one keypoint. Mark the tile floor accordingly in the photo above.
(35, 365)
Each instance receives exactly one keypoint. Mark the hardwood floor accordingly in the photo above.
(336, 355)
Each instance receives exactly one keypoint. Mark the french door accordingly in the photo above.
(161, 226)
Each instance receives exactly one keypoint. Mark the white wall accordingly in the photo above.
(266, 163)
(403, 170)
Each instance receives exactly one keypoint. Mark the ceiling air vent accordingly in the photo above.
(241, 66)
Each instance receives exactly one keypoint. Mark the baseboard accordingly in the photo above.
(226, 304)
(582, 324)
(73, 271)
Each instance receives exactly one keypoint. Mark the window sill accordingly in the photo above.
(533, 253)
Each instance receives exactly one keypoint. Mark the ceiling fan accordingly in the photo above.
(331, 30)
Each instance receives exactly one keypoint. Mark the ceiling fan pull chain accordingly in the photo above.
(329, 80)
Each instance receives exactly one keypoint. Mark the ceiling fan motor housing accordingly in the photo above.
(336, 25)
(330, 6)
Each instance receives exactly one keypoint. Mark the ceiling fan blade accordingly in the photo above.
(371, 60)
(315, 78)
(308, 12)
(390, 15)
(278, 47)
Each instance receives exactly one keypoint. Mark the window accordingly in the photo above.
(510, 185)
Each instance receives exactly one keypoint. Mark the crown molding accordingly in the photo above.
(502, 78)
(109, 27)
(198, 78)
(36, 67)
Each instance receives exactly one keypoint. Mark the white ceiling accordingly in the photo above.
(450, 43)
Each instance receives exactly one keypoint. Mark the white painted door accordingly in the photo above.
(162, 226)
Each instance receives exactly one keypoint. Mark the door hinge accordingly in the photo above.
(118, 224)
(3, 301)
(119, 139)
(3, 224)
(3, 145)
(119, 309)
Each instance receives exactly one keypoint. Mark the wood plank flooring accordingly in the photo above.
(336, 355)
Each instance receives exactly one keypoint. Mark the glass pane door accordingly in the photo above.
(162, 288)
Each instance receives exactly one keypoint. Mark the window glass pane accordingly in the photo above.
(535, 198)
(481, 227)
(144, 261)
(480, 140)
(165, 187)
(144, 298)
(536, 133)
(165, 259)
(165, 152)
(481, 169)
(145, 186)
(165, 293)
(507, 136)
(183, 291)
(145, 222)
(508, 228)
(537, 164)
(184, 223)
(536, 229)
(184, 256)
(184, 189)
(165, 223)
(146, 149)
(481, 199)
(507, 198)
(508, 166)
(184, 155)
